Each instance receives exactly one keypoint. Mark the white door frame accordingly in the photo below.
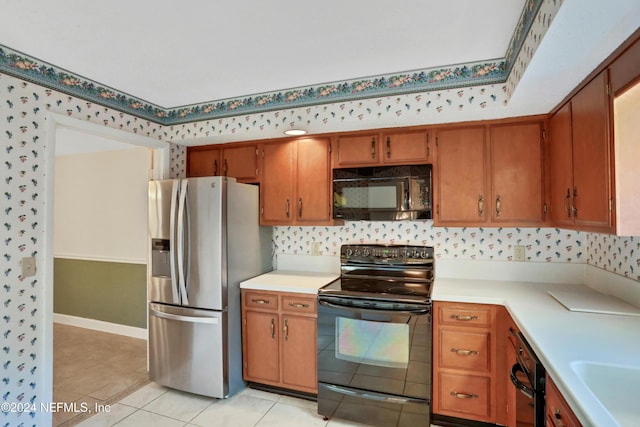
(160, 170)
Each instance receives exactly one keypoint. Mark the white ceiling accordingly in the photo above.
(177, 53)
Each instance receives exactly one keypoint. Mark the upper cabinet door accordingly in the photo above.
(592, 191)
(460, 189)
(203, 162)
(561, 167)
(313, 179)
(357, 150)
(276, 190)
(241, 162)
(407, 147)
(517, 180)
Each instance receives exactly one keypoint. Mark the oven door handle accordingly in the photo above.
(371, 395)
(417, 311)
(527, 391)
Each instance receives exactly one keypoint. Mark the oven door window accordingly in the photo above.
(372, 343)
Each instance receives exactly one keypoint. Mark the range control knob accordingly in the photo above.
(349, 252)
(424, 254)
(366, 252)
(356, 252)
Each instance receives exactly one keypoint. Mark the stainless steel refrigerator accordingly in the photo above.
(204, 239)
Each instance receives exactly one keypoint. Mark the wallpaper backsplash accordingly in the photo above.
(620, 255)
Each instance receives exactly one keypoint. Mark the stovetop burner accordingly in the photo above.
(384, 272)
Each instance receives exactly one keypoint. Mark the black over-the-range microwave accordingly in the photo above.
(382, 193)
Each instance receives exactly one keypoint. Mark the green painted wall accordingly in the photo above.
(109, 291)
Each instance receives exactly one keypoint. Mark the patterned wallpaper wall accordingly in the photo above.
(23, 111)
(620, 255)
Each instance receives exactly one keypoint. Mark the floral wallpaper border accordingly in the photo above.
(21, 65)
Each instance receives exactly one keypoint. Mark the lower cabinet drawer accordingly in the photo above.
(466, 395)
(465, 350)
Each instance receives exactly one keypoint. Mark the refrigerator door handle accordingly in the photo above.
(172, 245)
(192, 319)
(181, 242)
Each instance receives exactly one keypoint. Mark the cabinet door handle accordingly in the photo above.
(215, 168)
(286, 330)
(462, 352)
(567, 203)
(388, 147)
(224, 167)
(373, 148)
(480, 205)
(428, 145)
(463, 318)
(286, 207)
(300, 207)
(298, 305)
(259, 301)
(498, 206)
(273, 329)
(464, 395)
(573, 202)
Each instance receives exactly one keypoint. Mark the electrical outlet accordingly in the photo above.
(519, 253)
(315, 248)
(28, 265)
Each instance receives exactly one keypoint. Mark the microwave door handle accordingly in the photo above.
(173, 243)
(407, 194)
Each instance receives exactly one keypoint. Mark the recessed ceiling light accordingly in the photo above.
(295, 132)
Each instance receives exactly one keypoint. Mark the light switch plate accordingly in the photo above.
(28, 265)
(315, 248)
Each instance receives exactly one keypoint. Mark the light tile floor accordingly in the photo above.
(157, 406)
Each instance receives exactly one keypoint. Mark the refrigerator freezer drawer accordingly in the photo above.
(186, 349)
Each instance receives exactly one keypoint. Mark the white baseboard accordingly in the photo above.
(99, 325)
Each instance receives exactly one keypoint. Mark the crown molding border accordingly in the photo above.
(495, 71)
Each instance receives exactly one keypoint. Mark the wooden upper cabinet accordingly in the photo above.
(389, 148)
(490, 175)
(517, 180)
(460, 190)
(407, 147)
(357, 150)
(203, 161)
(561, 168)
(296, 182)
(313, 181)
(276, 190)
(241, 162)
(592, 179)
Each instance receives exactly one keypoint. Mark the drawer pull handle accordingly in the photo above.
(464, 395)
(557, 418)
(259, 301)
(298, 305)
(462, 352)
(286, 330)
(464, 318)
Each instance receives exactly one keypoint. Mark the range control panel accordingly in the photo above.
(385, 254)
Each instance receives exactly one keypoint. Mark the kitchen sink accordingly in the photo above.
(615, 387)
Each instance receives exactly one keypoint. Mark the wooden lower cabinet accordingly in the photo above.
(279, 339)
(558, 412)
(466, 363)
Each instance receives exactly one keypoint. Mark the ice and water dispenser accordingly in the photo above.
(160, 259)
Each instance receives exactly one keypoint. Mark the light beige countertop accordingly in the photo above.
(305, 282)
(564, 340)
